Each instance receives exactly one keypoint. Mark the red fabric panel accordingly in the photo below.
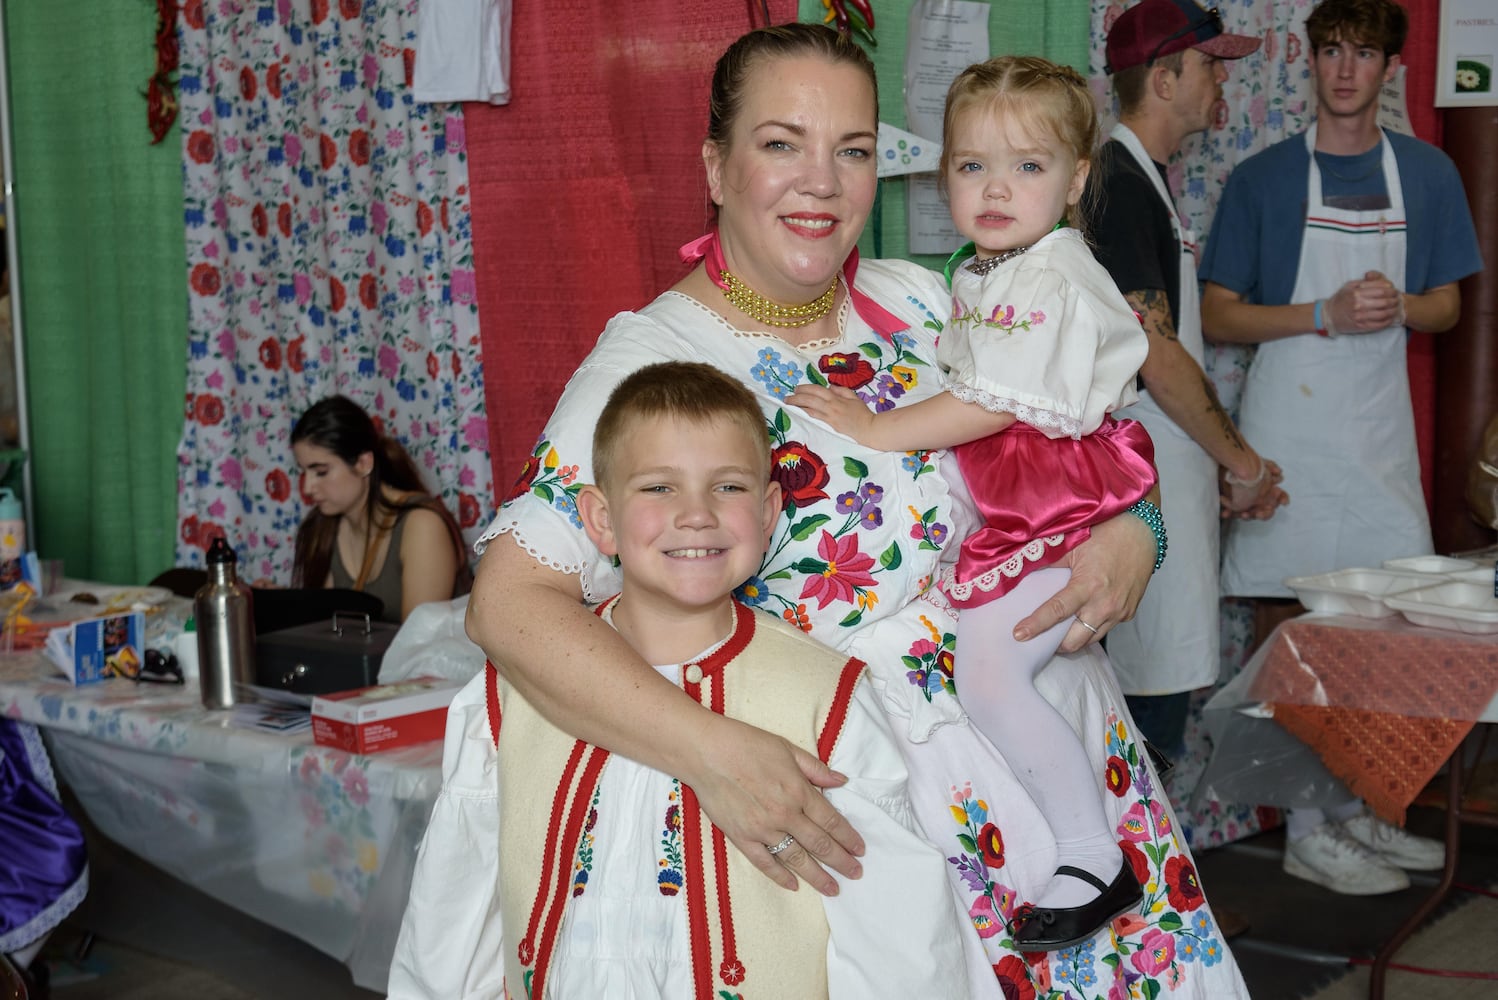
(1419, 58)
(584, 186)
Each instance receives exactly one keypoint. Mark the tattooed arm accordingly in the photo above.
(1180, 388)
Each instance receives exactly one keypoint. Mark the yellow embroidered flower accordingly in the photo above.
(907, 375)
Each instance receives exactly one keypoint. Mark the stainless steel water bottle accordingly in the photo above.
(226, 629)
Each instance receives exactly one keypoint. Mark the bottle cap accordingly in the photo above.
(218, 552)
(191, 625)
(10, 506)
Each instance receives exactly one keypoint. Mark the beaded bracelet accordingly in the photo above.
(1150, 515)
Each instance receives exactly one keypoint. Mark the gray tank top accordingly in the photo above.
(386, 586)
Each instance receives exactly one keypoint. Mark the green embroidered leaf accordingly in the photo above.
(854, 617)
(802, 530)
(967, 842)
(890, 558)
(1151, 988)
(855, 468)
(814, 376)
(1171, 921)
(1156, 853)
(782, 422)
(871, 350)
(780, 574)
(927, 546)
(1112, 959)
(929, 516)
(543, 491)
(911, 662)
(809, 567)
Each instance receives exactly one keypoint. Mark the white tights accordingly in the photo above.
(995, 677)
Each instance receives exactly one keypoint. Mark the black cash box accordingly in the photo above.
(339, 654)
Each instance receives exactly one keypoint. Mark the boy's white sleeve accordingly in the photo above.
(451, 944)
(900, 930)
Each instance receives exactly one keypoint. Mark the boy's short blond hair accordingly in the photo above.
(682, 390)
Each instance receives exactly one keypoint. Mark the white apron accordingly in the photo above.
(1171, 645)
(1335, 414)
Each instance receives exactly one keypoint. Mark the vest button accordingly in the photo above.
(694, 674)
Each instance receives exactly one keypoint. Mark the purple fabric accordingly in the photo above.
(43, 859)
(1029, 486)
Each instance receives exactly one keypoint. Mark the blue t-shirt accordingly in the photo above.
(1254, 248)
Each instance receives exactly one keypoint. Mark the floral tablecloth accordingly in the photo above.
(312, 840)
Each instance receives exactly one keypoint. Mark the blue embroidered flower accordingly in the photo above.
(752, 592)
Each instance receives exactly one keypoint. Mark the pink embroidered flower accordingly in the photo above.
(1002, 315)
(985, 920)
(1138, 827)
(1128, 923)
(1156, 951)
(845, 568)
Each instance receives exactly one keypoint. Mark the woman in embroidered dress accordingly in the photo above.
(1041, 349)
(790, 164)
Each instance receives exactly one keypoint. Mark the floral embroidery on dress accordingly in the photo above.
(669, 878)
(930, 661)
(546, 477)
(1001, 318)
(582, 867)
(1152, 946)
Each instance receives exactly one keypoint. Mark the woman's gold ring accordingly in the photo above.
(787, 842)
(1085, 625)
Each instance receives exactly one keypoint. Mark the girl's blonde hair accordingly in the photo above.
(1045, 99)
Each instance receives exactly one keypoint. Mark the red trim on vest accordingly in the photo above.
(582, 800)
(491, 699)
(732, 971)
(837, 715)
(527, 949)
(697, 930)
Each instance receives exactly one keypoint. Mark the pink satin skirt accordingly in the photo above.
(1028, 487)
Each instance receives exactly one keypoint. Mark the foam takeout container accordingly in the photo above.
(1455, 604)
(1359, 592)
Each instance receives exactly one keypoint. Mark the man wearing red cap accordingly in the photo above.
(1167, 58)
(1324, 246)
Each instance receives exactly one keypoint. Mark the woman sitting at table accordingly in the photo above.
(374, 527)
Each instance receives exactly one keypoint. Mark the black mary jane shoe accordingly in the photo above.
(1044, 928)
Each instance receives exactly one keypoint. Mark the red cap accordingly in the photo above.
(1155, 28)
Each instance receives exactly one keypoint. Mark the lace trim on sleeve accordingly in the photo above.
(511, 526)
(1034, 416)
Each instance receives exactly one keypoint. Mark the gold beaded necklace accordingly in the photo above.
(749, 302)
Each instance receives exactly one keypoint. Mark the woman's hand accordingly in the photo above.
(838, 408)
(758, 788)
(1108, 574)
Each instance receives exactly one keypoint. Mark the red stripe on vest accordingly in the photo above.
(582, 799)
(527, 950)
(837, 716)
(697, 929)
(491, 698)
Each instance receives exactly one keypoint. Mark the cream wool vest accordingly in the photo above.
(749, 936)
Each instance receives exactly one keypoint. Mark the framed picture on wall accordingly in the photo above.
(1468, 57)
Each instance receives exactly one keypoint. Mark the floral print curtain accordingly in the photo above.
(329, 250)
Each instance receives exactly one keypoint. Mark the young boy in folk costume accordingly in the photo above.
(613, 880)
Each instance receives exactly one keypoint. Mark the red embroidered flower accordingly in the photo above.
(207, 410)
(190, 530)
(328, 150)
(1181, 884)
(277, 485)
(337, 295)
(296, 353)
(369, 291)
(205, 279)
(247, 86)
(848, 370)
(991, 845)
(319, 11)
(844, 568)
(358, 146)
(259, 221)
(458, 370)
(732, 972)
(432, 366)
(443, 214)
(349, 9)
(423, 218)
(200, 146)
(1118, 776)
(273, 80)
(1014, 978)
(207, 532)
(527, 476)
(408, 59)
(192, 14)
(283, 218)
(270, 353)
(1136, 859)
(468, 510)
(801, 474)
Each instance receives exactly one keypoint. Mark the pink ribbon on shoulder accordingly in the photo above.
(708, 250)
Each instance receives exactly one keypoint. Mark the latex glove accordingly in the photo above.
(1255, 500)
(1363, 305)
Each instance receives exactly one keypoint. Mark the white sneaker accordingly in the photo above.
(1396, 846)
(1331, 858)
